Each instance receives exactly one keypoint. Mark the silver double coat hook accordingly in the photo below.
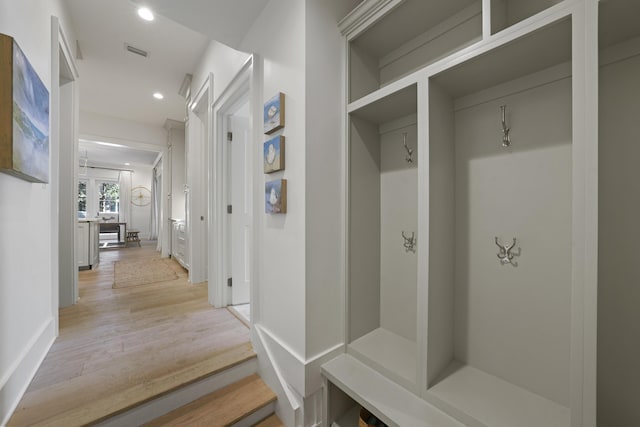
(506, 252)
(506, 139)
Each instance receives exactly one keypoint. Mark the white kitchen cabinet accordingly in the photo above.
(179, 242)
(83, 244)
(88, 244)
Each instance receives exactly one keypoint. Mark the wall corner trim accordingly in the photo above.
(16, 380)
(300, 374)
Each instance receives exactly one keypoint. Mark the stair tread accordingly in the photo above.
(223, 407)
(271, 421)
(112, 404)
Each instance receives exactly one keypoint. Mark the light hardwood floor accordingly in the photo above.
(222, 408)
(119, 347)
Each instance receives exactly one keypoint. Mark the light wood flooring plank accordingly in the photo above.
(222, 408)
(271, 421)
(120, 347)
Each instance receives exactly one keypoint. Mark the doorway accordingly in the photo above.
(197, 192)
(64, 165)
(238, 220)
(231, 196)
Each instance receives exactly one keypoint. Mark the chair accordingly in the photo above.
(132, 237)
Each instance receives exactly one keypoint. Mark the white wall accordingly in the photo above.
(176, 139)
(221, 60)
(398, 214)
(141, 215)
(27, 318)
(618, 267)
(282, 237)
(300, 275)
(299, 266)
(325, 92)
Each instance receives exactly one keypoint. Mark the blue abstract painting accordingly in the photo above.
(275, 196)
(30, 121)
(274, 114)
(273, 154)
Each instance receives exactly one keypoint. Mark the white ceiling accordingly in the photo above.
(117, 83)
(114, 156)
(226, 21)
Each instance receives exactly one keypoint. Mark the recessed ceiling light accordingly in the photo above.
(127, 164)
(146, 14)
(158, 95)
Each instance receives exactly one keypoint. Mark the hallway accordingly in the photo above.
(121, 347)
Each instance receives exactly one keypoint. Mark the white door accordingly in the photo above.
(240, 218)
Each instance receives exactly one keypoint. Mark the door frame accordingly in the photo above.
(200, 138)
(64, 169)
(243, 87)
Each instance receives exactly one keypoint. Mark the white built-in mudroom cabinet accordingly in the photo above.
(492, 191)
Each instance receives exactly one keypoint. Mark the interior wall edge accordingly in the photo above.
(18, 377)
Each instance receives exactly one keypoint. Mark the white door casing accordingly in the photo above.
(240, 92)
(239, 221)
(200, 138)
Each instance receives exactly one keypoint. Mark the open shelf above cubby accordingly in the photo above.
(618, 21)
(544, 48)
(505, 13)
(413, 34)
(398, 104)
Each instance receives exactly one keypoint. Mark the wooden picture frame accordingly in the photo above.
(24, 116)
(273, 154)
(274, 113)
(275, 196)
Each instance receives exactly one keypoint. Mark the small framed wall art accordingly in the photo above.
(275, 196)
(274, 113)
(24, 116)
(273, 154)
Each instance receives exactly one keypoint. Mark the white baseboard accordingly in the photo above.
(302, 375)
(288, 405)
(16, 380)
(296, 381)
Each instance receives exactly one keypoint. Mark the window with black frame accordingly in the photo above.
(82, 199)
(108, 197)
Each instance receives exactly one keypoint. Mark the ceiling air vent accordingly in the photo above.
(135, 50)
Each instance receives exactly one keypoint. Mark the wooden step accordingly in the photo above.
(223, 407)
(115, 400)
(270, 421)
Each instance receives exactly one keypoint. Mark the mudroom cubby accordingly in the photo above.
(619, 203)
(471, 220)
(406, 36)
(500, 249)
(383, 162)
(505, 13)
